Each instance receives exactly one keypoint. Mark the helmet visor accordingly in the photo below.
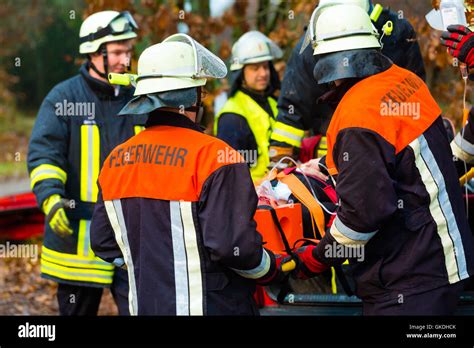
(207, 64)
(123, 23)
(361, 63)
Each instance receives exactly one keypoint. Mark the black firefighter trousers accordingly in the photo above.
(85, 300)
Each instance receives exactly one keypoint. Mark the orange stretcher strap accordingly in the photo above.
(300, 191)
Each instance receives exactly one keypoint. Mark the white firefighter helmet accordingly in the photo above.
(310, 36)
(365, 4)
(342, 28)
(105, 26)
(178, 62)
(253, 47)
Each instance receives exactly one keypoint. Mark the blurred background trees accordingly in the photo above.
(39, 46)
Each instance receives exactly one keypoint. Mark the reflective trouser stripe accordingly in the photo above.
(90, 162)
(287, 134)
(138, 129)
(47, 171)
(117, 221)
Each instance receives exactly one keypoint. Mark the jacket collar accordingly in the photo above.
(102, 89)
(335, 95)
(174, 119)
(259, 98)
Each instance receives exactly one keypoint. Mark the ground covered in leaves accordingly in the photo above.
(24, 292)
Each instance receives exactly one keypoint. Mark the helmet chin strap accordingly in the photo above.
(106, 65)
(198, 109)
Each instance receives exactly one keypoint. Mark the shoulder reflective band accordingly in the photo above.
(287, 134)
(138, 129)
(90, 162)
(47, 171)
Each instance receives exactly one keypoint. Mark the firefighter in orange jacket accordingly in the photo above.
(400, 200)
(176, 206)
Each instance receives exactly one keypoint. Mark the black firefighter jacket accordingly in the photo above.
(177, 207)
(76, 128)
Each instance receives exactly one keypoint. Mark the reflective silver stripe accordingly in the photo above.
(45, 267)
(47, 171)
(180, 260)
(63, 259)
(90, 160)
(352, 234)
(286, 134)
(436, 211)
(50, 172)
(87, 238)
(445, 205)
(79, 263)
(115, 214)
(464, 144)
(259, 271)
(196, 299)
(462, 149)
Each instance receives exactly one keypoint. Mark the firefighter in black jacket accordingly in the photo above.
(76, 128)
(176, 206)
(400, 200)
(298, 106)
